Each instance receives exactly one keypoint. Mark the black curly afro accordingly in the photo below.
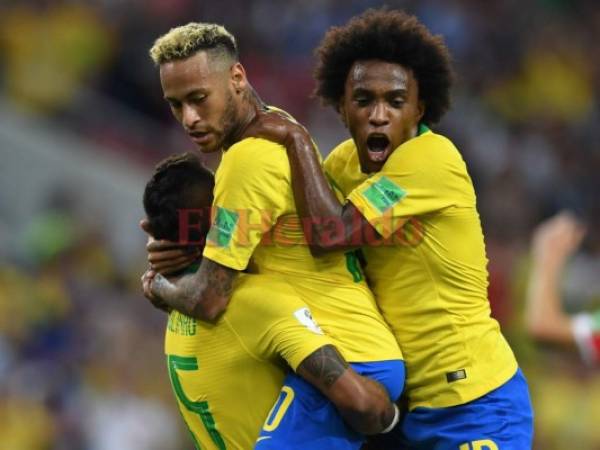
(392, 36)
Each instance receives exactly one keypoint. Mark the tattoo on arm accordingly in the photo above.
(325, 365)
(203, 295)
(217, 281)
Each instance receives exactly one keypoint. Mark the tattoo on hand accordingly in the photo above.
(159, 285)
(325, 364)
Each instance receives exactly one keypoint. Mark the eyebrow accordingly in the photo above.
(393, 92)
(188, 95)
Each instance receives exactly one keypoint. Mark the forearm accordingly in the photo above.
(376, 415)
(177, 295)
(546, 320)
(314, 197)
(203, 295)
(329, 229)
(363, 403)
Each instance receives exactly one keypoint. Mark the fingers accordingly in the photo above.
(162, 244)
(146, 279)
(173, 266)
(147, 286)
(171, 257)
(157, 256)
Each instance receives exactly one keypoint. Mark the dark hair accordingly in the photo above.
(179, 183)
(391, 36)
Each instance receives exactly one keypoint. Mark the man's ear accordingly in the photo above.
(421, 110)
(238, 77)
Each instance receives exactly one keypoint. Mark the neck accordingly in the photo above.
(251, 102)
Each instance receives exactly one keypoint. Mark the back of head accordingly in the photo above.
(179, 197)
(392, 36)
(186, 40)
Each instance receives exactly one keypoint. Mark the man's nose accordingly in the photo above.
(379, 115)
(189, 116)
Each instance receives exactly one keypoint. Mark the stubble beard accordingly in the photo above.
(229, 123)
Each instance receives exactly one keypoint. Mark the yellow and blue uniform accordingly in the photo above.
(227, 376)
(256, 228)
(429, 272)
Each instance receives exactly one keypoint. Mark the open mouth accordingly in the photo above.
(378, 147)
(200, 137)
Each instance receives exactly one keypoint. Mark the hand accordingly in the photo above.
(557, 238)
(274, 126)
(167, 257)
(147, 286)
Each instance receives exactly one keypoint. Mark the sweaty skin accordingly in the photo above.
(380, 105)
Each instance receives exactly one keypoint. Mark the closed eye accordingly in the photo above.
(198, 99)
(362, 100)
(174, 104)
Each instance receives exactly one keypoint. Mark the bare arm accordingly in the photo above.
(334, 226)
(203, 295)
(553, 242)
(363, 403)
(331, 225)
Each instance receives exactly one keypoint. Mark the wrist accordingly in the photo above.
(394, 421)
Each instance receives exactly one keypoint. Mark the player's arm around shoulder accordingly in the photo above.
(363, 403)
(204, 294)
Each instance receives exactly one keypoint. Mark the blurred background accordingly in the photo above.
(82, 122)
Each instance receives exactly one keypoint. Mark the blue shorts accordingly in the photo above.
(500, 420)
(303, 418)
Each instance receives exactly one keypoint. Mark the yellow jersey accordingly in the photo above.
(227, 376)
(256, 227)
(429, 273)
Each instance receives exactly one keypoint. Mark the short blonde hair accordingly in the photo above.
(186, 40)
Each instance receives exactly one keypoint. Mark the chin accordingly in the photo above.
(369, 166)
(208, 148)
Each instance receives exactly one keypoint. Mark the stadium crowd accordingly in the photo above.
(75, 332)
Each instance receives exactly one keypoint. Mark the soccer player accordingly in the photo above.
(256, 228)
(410, 205)
(227, 376)
(554, 242)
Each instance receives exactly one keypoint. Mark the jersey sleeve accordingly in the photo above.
(250, 194)
(295, 336)
(422, 176)
(586, 330)
(274, 322)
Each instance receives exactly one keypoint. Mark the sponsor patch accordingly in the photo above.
(305, 318)
(223, 227)
(384, 194)
(456, 375)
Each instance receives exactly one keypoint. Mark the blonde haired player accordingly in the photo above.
(256, 229)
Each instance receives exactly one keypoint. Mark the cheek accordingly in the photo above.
(355, 122)
(177, 114)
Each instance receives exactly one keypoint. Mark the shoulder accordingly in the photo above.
(337, 163)
(427, 151)
(427, 145)
(255, 148)
(340, 154)
(254, 156)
